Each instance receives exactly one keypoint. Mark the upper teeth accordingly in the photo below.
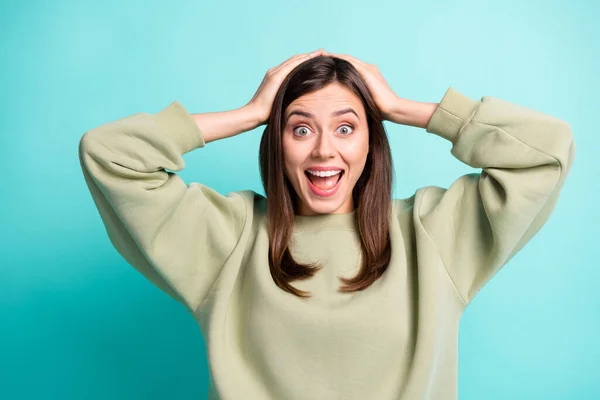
(324, 173)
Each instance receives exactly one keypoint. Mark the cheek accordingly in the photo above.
(356, 153)
(291, 163)
(294, 155)
(356, 158)
(288, 169)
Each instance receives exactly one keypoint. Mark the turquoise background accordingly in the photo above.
(77, 322)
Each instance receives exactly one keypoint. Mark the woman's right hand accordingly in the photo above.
(263, 99)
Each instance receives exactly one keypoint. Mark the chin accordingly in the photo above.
(327, 208)
(323, 205)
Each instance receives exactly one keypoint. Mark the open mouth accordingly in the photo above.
(324, 185)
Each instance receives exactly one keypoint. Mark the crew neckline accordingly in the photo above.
(325, 221)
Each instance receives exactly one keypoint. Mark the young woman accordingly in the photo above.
(327, 288)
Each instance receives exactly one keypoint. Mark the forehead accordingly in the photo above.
(326, 100)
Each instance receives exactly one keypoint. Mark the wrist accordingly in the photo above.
(411, 112)
(253, 115)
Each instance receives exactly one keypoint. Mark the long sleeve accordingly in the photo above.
(483, 219)
(177, 236)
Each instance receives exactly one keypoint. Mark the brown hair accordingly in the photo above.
(372, 193)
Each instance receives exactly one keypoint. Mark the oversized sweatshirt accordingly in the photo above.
(397, 339)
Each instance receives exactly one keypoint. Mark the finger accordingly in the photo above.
(302, 56)
(290, 63)
(350, 59)
(285, 69)
(354, 59)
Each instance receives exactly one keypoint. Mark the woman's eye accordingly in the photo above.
(345, 126)
(304, 131)
(297, 129)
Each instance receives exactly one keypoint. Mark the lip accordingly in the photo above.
(328, 192)
(323, 168)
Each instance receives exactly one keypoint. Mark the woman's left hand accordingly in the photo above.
(385, 98)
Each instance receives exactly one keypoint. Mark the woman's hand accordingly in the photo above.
(263, 99)
(393, 108)
(385, 98)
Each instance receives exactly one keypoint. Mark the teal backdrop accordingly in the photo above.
(77, 322)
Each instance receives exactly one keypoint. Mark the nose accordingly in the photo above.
(324, 147)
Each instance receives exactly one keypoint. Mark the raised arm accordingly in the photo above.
(483, 219)
(177, 236)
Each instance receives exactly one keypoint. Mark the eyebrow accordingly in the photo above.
(333, 114)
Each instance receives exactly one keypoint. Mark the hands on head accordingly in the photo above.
(262, 101)
(382, 93)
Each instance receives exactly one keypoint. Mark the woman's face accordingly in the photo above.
(316, 135)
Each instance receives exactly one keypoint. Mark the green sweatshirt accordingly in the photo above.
(398, 339)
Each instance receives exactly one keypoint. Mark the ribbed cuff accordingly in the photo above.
(453, 112)
(179, 125)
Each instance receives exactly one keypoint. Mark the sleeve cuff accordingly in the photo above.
(454, 111)
(179, 125)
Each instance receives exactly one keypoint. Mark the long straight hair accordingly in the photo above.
(372, 193)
